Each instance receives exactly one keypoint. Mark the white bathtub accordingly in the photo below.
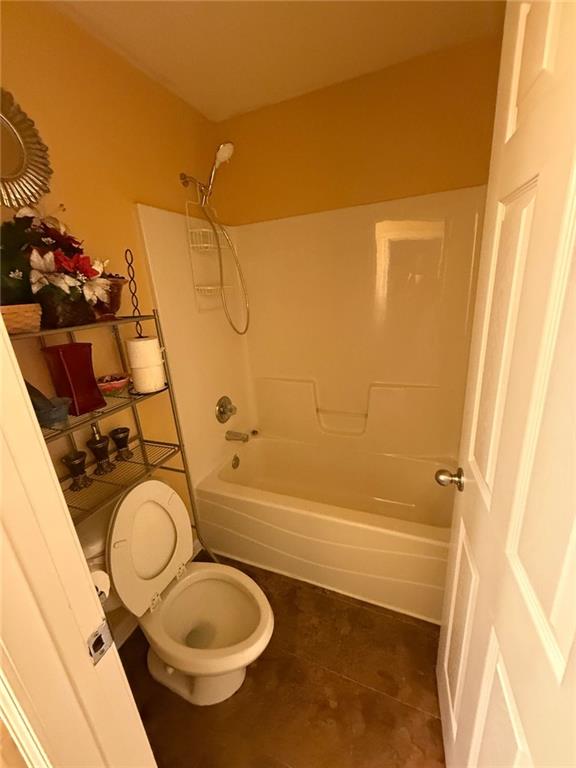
(371, 526)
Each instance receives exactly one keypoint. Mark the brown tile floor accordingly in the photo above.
(343, 684)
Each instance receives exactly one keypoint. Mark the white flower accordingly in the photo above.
(60, 280)
(95, 289)
(16, 274)
(42, 263)
(43, 273)
(37, 280)
(99, 266)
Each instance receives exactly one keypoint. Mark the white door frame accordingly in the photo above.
(60, 708)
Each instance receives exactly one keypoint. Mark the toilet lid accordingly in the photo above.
(149, 538)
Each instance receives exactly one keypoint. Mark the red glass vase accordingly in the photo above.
(73, 376)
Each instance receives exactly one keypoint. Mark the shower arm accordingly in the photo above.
(202, 188)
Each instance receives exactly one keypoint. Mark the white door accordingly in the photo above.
(507, 660)
(60, 708)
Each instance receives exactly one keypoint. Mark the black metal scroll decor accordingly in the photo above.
(133, 288)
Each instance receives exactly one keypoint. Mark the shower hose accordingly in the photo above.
(219, 232)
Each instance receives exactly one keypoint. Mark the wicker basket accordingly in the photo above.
(22, 318)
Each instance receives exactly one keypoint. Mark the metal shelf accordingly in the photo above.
(210, 290)
(86, 327)
(203, 240)
(148, 456)
(113, 405)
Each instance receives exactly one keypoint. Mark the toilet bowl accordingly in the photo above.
(211, 624)
(205, 622)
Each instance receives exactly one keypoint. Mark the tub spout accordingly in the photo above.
(241, 437)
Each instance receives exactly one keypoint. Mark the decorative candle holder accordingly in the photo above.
(76, 463)
(120, 437)
(98, 444)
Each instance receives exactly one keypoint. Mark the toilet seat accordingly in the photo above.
(149, 543)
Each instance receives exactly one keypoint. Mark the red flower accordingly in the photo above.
(63, 263)
(86, 268)
(74, 264)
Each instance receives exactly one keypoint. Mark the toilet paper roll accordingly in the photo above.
(102, 583)
(150, 379)
(143, 352)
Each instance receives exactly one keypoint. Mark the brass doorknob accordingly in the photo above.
(445, 477)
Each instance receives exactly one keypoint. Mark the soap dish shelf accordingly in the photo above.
(210, 290)
(204, 241)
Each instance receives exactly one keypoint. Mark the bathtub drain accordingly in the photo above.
(235, 461)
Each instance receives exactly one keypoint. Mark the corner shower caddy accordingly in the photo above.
(203, 247)
(149, 455)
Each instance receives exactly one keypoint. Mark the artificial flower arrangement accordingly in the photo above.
(42, 262)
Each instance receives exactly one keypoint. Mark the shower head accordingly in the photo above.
(224, 153)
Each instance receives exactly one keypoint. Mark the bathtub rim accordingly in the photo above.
(214, 484)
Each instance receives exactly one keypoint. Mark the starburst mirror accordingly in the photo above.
(25, 168)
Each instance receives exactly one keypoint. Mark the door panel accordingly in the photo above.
(498, 737)
(458, 634)
(507, 663)
(514, 227)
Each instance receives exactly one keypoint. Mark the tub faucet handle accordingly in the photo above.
(225, 408)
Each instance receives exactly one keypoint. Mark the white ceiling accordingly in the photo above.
(226, 58)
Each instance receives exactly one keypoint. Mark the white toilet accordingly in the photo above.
(205, 622)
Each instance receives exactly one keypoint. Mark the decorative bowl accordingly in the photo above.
(113, 384)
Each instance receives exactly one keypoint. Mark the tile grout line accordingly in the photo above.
(362, 685)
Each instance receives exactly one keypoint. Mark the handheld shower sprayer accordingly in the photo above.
(223, 155)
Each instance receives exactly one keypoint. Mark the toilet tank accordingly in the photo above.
(92, 532)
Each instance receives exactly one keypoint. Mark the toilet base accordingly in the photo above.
(201, 691)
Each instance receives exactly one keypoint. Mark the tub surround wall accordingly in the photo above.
(337, 354)
(361, 322)
(207, 358)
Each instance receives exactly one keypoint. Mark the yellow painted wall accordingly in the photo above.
(115, 137)
(421, 126)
